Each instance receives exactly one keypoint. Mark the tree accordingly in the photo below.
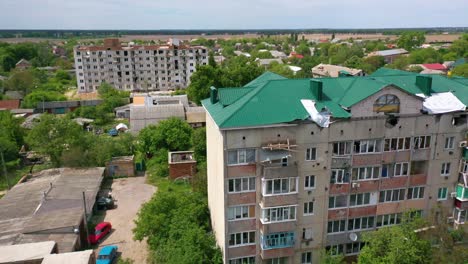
(199, 144)
(400, 63)
(353, 62)
(410, 40)
(177, 226)
(327, 258)
(211, 60)
(461, 70)
(395, 244)
(460, 46)
(54, 135)
(31, 100)
(428, 55)
(371, 64)
(201, 81)
(172, 134)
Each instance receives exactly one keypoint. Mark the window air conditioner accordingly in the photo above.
(453, 194)
(356, 185)
(450, 220)
(462, 144)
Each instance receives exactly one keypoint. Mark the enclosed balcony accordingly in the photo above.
(277, 240)
(462, 193)
(277, 160)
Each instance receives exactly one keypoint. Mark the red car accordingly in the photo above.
(100, 231)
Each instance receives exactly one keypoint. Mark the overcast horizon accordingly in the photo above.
(227, 15)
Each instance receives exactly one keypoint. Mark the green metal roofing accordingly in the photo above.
(265, 77)
(273, 99)
(387, 72)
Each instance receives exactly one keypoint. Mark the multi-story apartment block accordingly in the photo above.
(297, 166)
(137, 68)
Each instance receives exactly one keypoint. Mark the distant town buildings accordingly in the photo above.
(389, 55)
(328, 70)
(137, 67)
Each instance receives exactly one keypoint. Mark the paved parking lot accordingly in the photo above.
(130, 194)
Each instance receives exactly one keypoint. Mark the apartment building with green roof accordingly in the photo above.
(299, 165)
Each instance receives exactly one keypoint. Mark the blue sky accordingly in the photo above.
(234, 14)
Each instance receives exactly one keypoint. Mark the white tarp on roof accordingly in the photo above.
(321, 119)
(439, 103)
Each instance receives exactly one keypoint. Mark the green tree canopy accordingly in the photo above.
(172, 134)
(395, 245)
(461, 70)
(55, 135)
(410, 40)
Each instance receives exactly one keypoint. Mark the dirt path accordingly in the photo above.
(130, 194)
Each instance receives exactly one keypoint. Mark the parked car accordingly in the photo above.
(105, 203)
(113, 132)
(107, 255)
(100, 231)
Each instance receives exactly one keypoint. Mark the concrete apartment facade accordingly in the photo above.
(137, 67)
(283, 185)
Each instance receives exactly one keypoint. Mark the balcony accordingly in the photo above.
(277, 240)
(465, 153)
(462, 193)
(278, 171)
(279, 200)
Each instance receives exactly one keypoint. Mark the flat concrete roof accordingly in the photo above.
(49, 206)
(23, 252)
(78, 257)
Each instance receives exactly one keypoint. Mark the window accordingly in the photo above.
(422, 142)
(278, 214)
(339, 176)
(442, 194)
(449, 142)
(367, 146)
(392, 195)
(341, 148)
(282, 239)
(241, 239)
(279, 186)
(397, 144)
(335, 250)
(280, 260)
(359, 199)
(306, 258)
(242, 185)
(241, 156)
(244, 260)
(415, 193)
(387, 103)
(365, 173)
(354, 248)
(309, 182)
(241, 212)
(337, 201)
(336, 226)
(361, 223)
(445, 170)
(311, 154)
(309, 208)
(401, 169)
(389, 219)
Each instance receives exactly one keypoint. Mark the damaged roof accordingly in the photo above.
(272, 99)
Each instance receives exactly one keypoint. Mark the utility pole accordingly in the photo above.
(85, 218)
(4, 169)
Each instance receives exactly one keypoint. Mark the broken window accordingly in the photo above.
(387, 103)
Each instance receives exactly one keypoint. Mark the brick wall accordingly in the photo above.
(182, 169)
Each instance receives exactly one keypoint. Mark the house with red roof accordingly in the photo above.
(296, 55)
(434, 66)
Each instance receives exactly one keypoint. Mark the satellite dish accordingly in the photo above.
(353, 237)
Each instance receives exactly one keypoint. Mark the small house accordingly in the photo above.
(23, 64)
(121, 166)
(182, 164)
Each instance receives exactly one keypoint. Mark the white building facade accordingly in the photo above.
(135, 67)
